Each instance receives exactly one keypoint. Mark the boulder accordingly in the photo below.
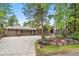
(53, 43)
(64, 42)
(59, 44)
(76, 42)
(71, 41)
(43, 42)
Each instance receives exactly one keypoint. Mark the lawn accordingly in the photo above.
(53, 50)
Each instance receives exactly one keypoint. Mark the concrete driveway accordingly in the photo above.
(18, 46)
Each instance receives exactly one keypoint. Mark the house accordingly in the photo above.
(20, 31)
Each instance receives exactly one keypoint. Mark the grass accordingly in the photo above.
(51, 49)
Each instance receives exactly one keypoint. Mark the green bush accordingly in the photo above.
(75, 36)
(60, 36)
(0, 30)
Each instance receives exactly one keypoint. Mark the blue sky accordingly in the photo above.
(17, 9)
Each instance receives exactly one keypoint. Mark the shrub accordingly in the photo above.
(0, 31)
(75, 36)
(60, 36)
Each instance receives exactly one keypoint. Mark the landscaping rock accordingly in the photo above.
(71, 41)
(64, 42)
(42, 46)
(59, 44)
(43, 42)
(76, 42)
(52, 43)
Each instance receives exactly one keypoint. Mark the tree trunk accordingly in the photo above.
(65, 29)
(42, 33)
(40, 14)
(74, 24)
(2, 31)
(42, 27)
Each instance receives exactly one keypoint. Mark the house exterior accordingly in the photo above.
(20, 31)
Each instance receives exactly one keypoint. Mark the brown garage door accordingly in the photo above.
(26, 32)
(11, 32)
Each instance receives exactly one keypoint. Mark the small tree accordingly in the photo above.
(13, 21)
(38, 12)
(5, 9)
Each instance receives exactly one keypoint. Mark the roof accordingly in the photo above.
(20, 27)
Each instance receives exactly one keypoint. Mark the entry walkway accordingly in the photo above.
(18, 46)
